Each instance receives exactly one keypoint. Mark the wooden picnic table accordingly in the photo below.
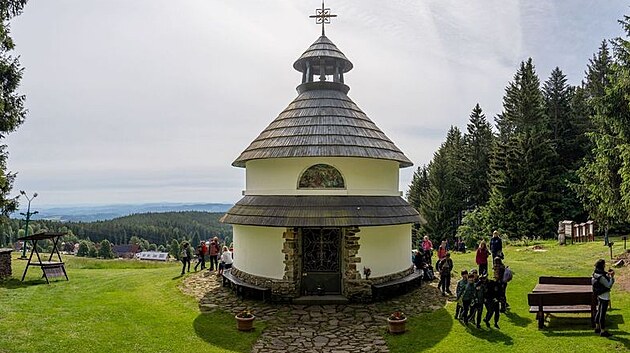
(564, 288)
(562, 295)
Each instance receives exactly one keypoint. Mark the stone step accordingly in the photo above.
(320, 300)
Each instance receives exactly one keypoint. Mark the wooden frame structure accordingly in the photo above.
(49, 268)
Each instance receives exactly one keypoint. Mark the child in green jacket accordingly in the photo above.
(459, 291)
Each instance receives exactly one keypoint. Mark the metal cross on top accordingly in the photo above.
(322, 16)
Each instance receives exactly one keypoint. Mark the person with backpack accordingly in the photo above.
(499, 271)
(602, 282)
(492, 296)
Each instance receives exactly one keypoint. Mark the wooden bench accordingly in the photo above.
(562, 295)
(240, 286)
(411, 280)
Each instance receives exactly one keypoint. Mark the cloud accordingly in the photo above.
(146, 101)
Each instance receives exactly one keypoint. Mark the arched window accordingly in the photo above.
(321, 176)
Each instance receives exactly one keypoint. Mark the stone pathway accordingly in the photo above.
(352, 328)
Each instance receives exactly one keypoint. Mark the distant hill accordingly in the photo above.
(100, 213)
(157, 228)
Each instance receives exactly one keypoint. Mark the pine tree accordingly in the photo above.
(523, 186)
(418, 187)
(605, 176)
(567, 124)
(598, 72)
(477, 149)
(443, 202)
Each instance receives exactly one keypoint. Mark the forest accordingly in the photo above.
(555, 152)
(149, 230)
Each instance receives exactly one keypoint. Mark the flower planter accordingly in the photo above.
(396, 326)
(245, 323)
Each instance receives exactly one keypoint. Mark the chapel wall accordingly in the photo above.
(363, 176)
(385, 249)
(258, 250)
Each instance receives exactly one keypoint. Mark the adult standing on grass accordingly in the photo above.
(185, 257)
(214, 254)
(602, 282)
(481, 258)
(200, 256)
(496, 245)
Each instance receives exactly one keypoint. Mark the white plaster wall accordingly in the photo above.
(363, 176)
(258, 250)
(385, 249)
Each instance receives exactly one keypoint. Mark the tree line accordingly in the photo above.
(151, 231)
(555, 152)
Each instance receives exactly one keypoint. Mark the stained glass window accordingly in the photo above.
(321, 176)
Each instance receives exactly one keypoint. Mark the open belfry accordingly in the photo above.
(322, 214)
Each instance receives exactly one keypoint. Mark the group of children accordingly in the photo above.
(474, 291)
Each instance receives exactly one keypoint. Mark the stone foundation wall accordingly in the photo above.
(355, 288)
(291, 251)
(5, 263)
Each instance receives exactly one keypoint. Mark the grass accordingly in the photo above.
(440, 332)
(111, 306)
(132, 306)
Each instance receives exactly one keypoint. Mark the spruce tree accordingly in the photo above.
(418, 187)
(477, 149)
(567, 125)
(442, 204)
(604, 186)
(523, 183)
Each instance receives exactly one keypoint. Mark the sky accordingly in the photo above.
(152, 100)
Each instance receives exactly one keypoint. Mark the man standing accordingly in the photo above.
(496, 245)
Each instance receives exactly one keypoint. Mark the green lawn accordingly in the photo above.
(440, 332)
(129, 306)
(110, 306)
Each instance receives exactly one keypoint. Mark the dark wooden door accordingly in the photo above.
(321, 267)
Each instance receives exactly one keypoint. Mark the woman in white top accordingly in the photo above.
(226, 260)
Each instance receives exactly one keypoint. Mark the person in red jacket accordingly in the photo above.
(482, 258)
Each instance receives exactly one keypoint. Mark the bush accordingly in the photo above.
(84, 248)
(105, 250)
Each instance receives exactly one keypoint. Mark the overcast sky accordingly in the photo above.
(151, 100)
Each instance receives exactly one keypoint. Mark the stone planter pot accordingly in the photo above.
(245, 323)
(396, 326)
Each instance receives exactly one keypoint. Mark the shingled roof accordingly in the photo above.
(321, 211)
(322, 121)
